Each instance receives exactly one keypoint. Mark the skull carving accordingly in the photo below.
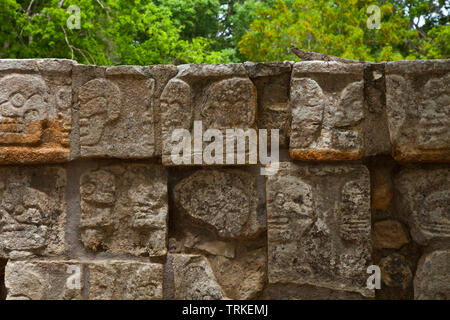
(23, 105)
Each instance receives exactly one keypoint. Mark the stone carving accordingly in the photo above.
(35, 113)
(318, 221)
(116, 114)
(44, 280)
(327, 117)
(124, 209)
(220, 96)
(425, 202)
(136, 280)
(194, 279)
(432, 279)
(224, 200)
(419, 133)
(272, 81)
(32, 213)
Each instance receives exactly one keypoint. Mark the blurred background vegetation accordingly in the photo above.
(147, 32)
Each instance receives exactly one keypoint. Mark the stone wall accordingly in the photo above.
(92, 207)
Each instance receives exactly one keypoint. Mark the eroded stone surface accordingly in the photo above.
(44, 280)
(220, 96)
(127, 280)
(327, 104)
(117, 115)
(395, 271)
(318, 221)
(194, 278)
(35, 110)
(243, 277)
(32, 211)
(224, 200)
(432, 279)
(418, 106)
(424, 199)
(272, 81)
(124, 209)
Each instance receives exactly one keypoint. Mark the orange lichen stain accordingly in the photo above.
(324, 155)
(420, 155)
(45, 141)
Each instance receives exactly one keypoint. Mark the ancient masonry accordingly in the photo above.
(91, 206)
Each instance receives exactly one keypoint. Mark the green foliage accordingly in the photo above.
(218, 31)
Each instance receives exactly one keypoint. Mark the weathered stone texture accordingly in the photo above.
(224, 200)
(272, 81)
(328, 111)
(68, 280)
(32, 211)
(44, 280)
(389, 234)
(221, 96)
(424, 199)
(127, 280)
(118, 110)
(418, 106)
(194, 278)
(124, 209)
(395, 271)
(318, 220)
(432, 279)
(35, 110)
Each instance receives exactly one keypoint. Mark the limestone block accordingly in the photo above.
(424, 199)
(44, 280)
(432, 279)
(32, 211)
(125, 280)
(327, 101)
(117, 110)
(220, 96)
(272, 81)
(418, 106)
(224, 200)
(194, 279)
(389, 234)
(319, 226)
(35, 110)
(124, 209)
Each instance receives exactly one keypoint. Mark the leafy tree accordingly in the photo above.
(340, 28)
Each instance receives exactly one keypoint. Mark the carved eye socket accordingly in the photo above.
(18, 100)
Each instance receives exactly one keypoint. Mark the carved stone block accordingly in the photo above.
(328, 112)
(44, 280)
(432, 280)
(194, 279)
(127, 280)
(220, 96)
(272, 81)
(224, 200)
(32, 211)
(318, 221)
(124, 209)
(424, 199)
(418, 106)
(117, 111)
(35, 110)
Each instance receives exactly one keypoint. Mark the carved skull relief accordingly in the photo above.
(23, 105)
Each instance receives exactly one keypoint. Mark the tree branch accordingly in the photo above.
(309, 55)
